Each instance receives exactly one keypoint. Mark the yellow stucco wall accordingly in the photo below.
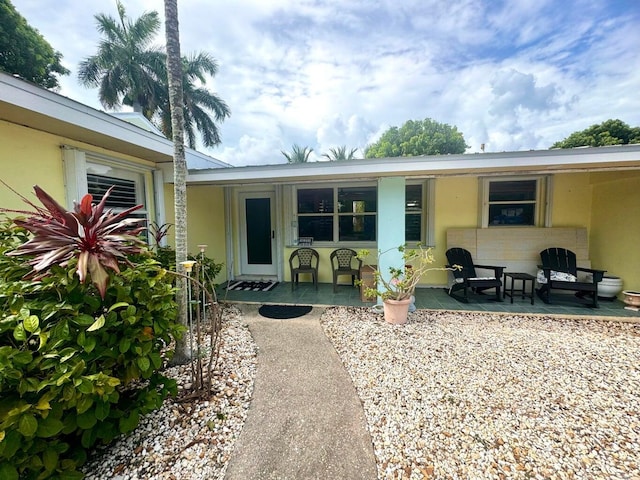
(571, 200)
(29, 157)
(456, 206)
(325, 274)
(205, 222)
(615, 231)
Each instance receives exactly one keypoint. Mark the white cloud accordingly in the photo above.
(326, 73)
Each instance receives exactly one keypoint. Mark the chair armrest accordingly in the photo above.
(546, 271)
(457, 270)
(597, 275)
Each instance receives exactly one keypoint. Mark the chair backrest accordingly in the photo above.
(560, 260)
(342, 258)
(307, 258)
(462, 257)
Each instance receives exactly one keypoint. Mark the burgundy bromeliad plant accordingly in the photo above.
(99, 239)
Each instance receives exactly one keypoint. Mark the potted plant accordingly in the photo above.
(398, 287)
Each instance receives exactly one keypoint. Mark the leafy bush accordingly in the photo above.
(167, 258)
(78, 364)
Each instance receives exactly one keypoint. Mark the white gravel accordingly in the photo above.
(447, 396)
(189, 440)
(473, 396)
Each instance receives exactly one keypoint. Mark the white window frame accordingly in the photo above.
(139, 179)
(77, 163)
(427, 226)
(335, 215)
(542, 201)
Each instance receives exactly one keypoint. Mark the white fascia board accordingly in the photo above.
(39, 100)
(436, 165)
(199, 158)
(28, 96)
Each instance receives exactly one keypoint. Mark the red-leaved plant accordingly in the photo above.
(99, 239)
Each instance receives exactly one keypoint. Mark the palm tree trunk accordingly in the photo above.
(174, 71)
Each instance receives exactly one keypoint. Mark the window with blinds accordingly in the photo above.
(122, 196)
(128, 187)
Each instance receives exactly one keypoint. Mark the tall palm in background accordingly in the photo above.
(340, 153)
(197, 100)
(130, 71)
(126, 65)
(298, 154)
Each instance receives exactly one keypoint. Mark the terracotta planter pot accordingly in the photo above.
(631, 298)
(396, 311)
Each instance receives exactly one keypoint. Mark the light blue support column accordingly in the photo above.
(391, 216)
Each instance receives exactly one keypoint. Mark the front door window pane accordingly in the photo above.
(258, 215)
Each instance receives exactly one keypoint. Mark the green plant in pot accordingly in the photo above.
(399, 286)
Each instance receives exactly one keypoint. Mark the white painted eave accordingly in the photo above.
(616, 157)
(27, 104)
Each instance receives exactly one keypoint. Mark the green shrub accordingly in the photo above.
(76, 369)
(167, 258)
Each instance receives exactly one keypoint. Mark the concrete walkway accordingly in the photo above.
(305, 420)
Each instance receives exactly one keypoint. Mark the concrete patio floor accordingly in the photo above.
(430, 298)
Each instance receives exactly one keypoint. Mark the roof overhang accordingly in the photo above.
(26, 104)
(618, 157)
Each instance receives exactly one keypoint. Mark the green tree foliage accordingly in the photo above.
(198, 102)
(426, 137)
(126, 63)
(129, 70)
(298, 154)
(609, 132)
(340, 153)
(25, 52)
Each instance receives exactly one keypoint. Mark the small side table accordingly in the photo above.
(524, 277)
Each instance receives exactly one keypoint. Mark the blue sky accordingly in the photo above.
(514, 75)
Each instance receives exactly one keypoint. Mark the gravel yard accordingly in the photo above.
(447, 396)
(470, 395)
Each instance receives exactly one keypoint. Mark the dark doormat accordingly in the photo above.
(284, 311)
(251, 286)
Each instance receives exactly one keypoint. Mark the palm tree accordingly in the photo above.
(198, 102)
(126, 64)
(129, 71)
(340, 153)
(176, 101)
(298, 154)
